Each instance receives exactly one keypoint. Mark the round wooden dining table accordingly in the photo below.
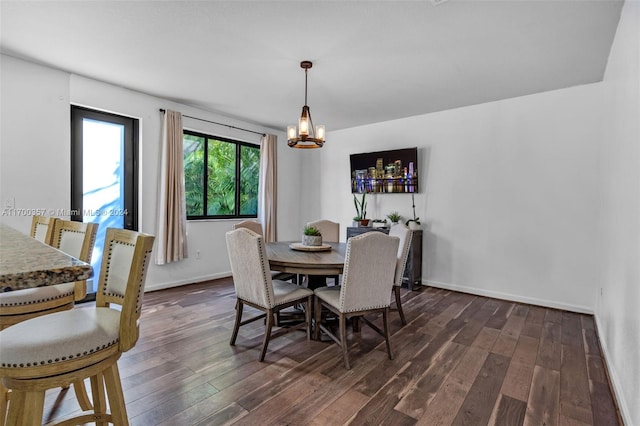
(285, 259)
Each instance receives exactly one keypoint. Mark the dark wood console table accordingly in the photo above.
(413, 271)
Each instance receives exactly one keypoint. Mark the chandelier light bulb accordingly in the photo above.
(303, 124)
(291, 132)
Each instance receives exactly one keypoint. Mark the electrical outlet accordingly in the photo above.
(197, 254)
(10, 203)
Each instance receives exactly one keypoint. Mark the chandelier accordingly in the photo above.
(306, 136)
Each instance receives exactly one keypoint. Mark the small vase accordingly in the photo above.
(364, 222)
(312, 240)
(414, 226)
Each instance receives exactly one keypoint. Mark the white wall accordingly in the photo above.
(35, 152)
(617, 309)
(508, 197)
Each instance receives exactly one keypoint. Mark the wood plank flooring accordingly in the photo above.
(461, 360)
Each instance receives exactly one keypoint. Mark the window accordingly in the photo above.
(221, 177)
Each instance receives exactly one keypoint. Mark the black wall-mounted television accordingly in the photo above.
(393, 171)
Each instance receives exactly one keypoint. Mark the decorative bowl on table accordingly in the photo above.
(302, 247)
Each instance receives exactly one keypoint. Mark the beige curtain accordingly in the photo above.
(267, 188)
(172, 213)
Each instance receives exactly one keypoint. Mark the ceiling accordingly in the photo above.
(373, 60)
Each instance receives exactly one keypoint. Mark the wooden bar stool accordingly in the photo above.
(65, 347)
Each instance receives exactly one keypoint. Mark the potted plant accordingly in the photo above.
(394, 217)
(311, 236)
(415, 222)
(361, 210)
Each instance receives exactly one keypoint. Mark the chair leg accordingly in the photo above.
(267, 334)
(387, 338)
(99, 400)
(343, 340)
(236, 326)
(14, 414)
(317, 312)
(82, 396)
(116, 397)
(33, 408)
(355, 324)
(4, 403)
(307, 316)
(396, 291)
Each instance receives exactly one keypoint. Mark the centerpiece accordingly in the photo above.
(311, 236)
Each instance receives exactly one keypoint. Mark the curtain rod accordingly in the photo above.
(221, 124)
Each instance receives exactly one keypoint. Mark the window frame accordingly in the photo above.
(238, 160)
(131, 166)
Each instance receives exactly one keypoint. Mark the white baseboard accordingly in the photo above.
(613, 376)
(511, 297)
(170, 284)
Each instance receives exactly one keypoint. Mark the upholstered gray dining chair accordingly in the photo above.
(369, 270)
(405, 236)
(331, 234)
(255, 287)
(254, 225)
(330, 230)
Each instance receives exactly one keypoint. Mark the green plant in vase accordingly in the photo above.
(311, 236)
(361, 209)
(394, 217)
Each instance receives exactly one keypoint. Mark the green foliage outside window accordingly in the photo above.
(232, 174)
(249, 178)
(221, 179)
(193, 148)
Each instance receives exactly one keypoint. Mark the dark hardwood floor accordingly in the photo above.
(461, 360)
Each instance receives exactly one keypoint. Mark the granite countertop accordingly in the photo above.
(26, 262)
